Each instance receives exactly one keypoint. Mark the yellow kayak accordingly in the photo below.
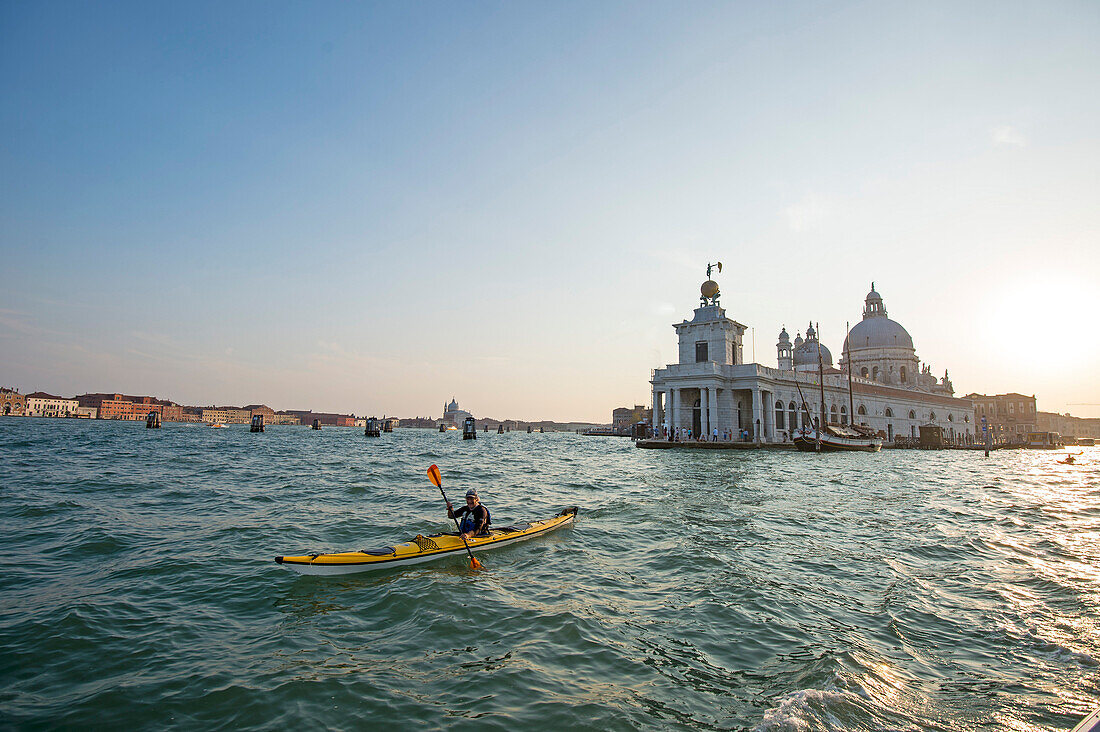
(422, 548)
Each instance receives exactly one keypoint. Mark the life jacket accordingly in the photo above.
(469, 521)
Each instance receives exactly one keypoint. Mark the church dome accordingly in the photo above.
(806, 354)
(876, 330)
(453, 406)
(878, 333)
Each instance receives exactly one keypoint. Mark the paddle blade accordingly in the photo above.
(474, 564)
(434, 476)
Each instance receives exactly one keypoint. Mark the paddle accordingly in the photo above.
(437, 479)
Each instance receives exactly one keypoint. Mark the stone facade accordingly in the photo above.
(41, 404)
(12, 403)
(710, 388)
(1009, 416)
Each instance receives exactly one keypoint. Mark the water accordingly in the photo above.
(698, 590)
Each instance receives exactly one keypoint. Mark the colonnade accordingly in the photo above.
(669, 407)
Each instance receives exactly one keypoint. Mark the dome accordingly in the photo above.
(806, 354)
(453, 406)
(876, 330)
(880, 332)
(784, 337)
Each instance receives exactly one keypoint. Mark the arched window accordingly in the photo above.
(863, 372)
(844, 415)
(862, 411)
(874, 373)
(832, 415)
(950, 418)
(889, 412)
(779, 423)
(966, 418)
(932, 417)
(912, 414)
(903, 375)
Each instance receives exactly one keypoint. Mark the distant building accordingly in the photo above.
(623, 418)
(226, 415)
(12, 403)
(120, 406)
(284, 418)
(41, 404)
(263, 410)
(452, 414)
(1009, 416)
(326, 418)
(712, 388)
(1067, 425)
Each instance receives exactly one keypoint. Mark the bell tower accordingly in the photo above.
(786, 351)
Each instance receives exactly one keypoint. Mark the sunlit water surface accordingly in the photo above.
(698, 590)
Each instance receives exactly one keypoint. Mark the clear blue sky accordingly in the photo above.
(375, 207)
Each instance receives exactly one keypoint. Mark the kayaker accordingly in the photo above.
(474, 518)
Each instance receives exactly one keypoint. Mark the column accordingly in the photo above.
(769, 416)
(757, 416)
(655, 416)
(674, 399)
(704, 399)
(712, 414)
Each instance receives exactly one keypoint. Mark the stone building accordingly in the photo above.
(41, 404)
(712, 388)
(1067, 425)
(12, 403)
(1009, 416)
(452, 414)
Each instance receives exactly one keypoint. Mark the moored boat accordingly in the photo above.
(835, 438)
(421, 548)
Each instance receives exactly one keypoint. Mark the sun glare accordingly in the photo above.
(1043, 322)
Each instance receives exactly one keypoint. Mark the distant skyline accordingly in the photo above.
(375, 207)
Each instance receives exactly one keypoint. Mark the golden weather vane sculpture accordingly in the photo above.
(709, 291)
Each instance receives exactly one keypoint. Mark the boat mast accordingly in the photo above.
(821, 383)
(848, 357)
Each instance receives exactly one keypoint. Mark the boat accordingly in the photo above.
(452, 428)
(1045, 440)
(217, 426)
(421, 548)
(833, 437)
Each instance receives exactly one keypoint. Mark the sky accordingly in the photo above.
(376, 207)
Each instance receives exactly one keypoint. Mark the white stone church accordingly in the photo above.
(713, 388)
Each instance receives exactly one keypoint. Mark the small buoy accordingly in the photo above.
(469, 429)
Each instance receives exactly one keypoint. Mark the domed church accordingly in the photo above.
(712, 388)
(882, 350)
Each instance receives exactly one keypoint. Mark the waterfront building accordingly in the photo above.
(41, 404)
(623, 418)
(453, 414)
(120, 406)
(1067, 425)
(12, 403)
(226, 415)
(1009, 416)
(262, 409)
(284, 418)
(711, 387)
(325, 418)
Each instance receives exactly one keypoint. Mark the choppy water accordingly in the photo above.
(698, 590)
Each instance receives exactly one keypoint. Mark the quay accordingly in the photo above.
(693, 445)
